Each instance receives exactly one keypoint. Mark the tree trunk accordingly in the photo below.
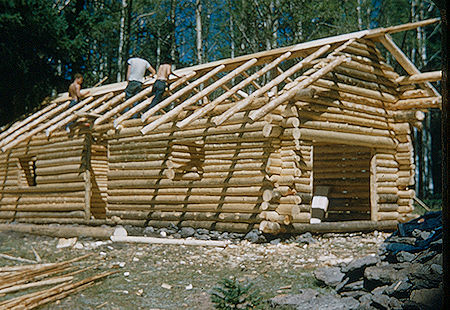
(232, 38)
(198, 30)
(121, 42)
(358, 10)
(172, 39)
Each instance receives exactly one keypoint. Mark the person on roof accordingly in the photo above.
(160, 85)
(75, 93)
(135, 75)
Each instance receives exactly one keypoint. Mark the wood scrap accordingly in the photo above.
(17, 259)
(20, 278)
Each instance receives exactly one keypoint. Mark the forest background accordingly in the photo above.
(44, 42)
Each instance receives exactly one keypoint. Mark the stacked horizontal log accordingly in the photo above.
(56, 190)
(200, 176)
(346, 170)
(99, 180)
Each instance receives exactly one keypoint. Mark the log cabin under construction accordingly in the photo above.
(305, 137)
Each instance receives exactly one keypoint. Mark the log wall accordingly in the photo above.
(43, 180)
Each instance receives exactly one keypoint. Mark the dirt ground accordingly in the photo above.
(181, 277)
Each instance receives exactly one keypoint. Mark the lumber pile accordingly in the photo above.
(31, 280)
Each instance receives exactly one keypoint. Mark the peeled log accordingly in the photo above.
(152, 240)
(347, 226)
(60, 231)
(340, 137)
(270, 227)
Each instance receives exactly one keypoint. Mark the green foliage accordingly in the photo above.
(230, 294)
(32, 41)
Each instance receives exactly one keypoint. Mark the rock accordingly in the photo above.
(310, 299)
(275, 241)
(353, 286)
(424, 277)
(214, 234)
(119, 231)
(78, 246)
(294, 299)
(235, 236)
(366, 298)
(380, 301)
(176, 236)
(173, 227)
(404, 256)
(341, 285)
(66, 243)
(437, 269)
(376, 276)
(411, 305)
(202, 237)
(428, 298)
(187, 232)
(202, 231)
(149, 230)
(399, 289)
(425, 256)
(379, 290)
(305, 238)
(253, 236)
(353, 294)
(355, 269)
(224, 236)
(395, 304)
(330, 276)
(436, 259)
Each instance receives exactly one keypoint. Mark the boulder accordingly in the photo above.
(187, 232)
(355, 269)
(330, 276)
(376, 276)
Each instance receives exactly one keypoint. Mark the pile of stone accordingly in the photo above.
(406, 274)
(253, 236)
(175, 232)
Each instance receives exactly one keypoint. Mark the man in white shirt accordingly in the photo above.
(135, 75)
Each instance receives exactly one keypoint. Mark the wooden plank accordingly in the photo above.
(72, 117)
(404, 61)
(46, 124)
(257, 114)
(210, 106)
(180, 93)
(146, 102)
(27, 120)
(33, 124)
(294, 49)
(242, 104)
(420, 78)
(175, 111)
